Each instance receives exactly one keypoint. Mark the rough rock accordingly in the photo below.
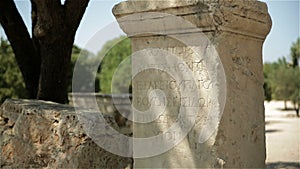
(39, 134)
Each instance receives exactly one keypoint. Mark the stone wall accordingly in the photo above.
(107, 104)
(38, 134)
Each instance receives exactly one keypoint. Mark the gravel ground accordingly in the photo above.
(282, 137)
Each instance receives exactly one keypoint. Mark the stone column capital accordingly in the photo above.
(242, 17)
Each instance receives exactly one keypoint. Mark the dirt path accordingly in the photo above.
(282, 137)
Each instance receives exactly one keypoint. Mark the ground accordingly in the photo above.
(282, 136)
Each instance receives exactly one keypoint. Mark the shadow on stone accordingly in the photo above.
(272, 131)
(285, 165)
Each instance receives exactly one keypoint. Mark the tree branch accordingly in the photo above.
(46, 14)
(74, 10)
(19, 38)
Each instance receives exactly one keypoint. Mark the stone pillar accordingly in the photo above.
(199, 64)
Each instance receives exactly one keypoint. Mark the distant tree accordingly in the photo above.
(114, 52)
(44, 59)
(295, 53)
(87, 61)
(280, 82)
(11, 81)
(267, 87)
(284, 82)
(295, 97)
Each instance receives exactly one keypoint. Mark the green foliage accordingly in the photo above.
(268, 91)
(282, 79)
(114, 52)
(267, 87)
(270, 70)
(295, 53)
(11, 80)
(282, 82)
(85, 61)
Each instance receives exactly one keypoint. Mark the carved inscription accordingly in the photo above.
(172, 85)
(186, 86)
(194, 66)
(201, 82)
(173, 101)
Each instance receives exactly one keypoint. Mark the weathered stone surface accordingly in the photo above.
(38, 134)
(243, 17)
(107, 104)
(236, 30)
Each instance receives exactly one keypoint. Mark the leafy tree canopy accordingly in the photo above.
(11, 80)
(282, 79)
(114, 52)
(295, 53)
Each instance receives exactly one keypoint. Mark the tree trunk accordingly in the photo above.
(19, 38)
(54, 27)
(44, 59)
(297, 109)
(54, 41)
(56, 58)
(285, 105)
